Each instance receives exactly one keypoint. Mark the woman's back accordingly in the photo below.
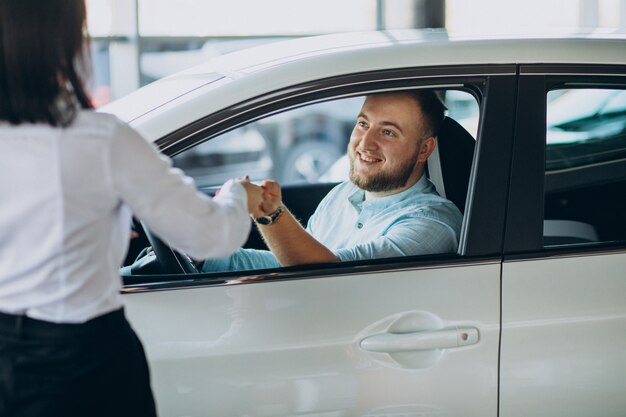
(62, 236)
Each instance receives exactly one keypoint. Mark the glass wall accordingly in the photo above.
(138, 41)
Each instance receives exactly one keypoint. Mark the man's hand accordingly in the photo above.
(272, 198)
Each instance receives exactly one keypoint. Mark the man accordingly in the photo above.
(387, 209)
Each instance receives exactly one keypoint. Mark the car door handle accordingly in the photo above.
(425, 340)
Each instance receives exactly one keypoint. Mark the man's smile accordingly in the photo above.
(367, 159)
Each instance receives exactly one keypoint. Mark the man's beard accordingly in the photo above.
(383, 181)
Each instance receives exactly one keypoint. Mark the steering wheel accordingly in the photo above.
(171, 261)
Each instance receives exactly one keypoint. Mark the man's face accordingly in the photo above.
(386, 146)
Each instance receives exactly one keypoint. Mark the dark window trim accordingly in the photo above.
(524, 223)
(484, 232)
(322, 89)
(144, 283)
(496, 127)
(525, 216)
(569, 251)
(570, 70)
(485, 214)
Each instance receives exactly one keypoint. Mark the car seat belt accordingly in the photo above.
(434, 170)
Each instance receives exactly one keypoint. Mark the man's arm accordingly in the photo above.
(290, 243)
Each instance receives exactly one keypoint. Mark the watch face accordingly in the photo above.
(270, 218)
(264, 220)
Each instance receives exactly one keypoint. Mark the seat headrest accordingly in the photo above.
(450, 165)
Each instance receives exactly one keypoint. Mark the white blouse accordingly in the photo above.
(66, 196)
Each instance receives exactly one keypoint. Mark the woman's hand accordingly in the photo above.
(255, 195)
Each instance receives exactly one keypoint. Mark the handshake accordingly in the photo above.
(264, 199)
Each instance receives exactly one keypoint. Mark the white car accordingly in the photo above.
(528, 318)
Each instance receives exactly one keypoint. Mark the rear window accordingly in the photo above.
(585, 126)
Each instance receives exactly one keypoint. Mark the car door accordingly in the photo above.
(564, 281)
(414, 336)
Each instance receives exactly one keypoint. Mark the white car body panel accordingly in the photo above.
(292, 348)
(283, 64)
(563, 345)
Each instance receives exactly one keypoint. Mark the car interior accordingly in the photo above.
(450, 164)
(448, 167)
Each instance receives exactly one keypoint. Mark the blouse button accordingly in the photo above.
(359, 225)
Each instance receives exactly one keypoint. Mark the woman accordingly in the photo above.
(69, 178)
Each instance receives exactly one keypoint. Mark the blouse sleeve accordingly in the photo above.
(169, 203)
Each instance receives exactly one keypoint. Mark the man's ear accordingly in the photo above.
(427, 147)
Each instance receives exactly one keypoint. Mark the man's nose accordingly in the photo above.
(369, 140)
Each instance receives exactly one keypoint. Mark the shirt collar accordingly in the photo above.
(357, 198)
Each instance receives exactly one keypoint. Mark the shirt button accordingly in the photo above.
(359, 225)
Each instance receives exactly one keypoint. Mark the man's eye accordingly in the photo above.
(361, 123)
(389, 133)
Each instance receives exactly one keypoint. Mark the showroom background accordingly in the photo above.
(136, 42)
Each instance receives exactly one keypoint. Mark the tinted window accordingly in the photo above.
(296, 146)
(585, 166)
(585, 126)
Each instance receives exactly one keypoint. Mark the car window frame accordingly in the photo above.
(525, 209)
(494, 88)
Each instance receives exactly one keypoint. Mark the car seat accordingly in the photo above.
(567, 232)
(449, 166)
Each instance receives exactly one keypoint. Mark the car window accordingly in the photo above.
(585, 126)
(299, 146)
(304, 149)
(585, 166)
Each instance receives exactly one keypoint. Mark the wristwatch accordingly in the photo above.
(270, 218)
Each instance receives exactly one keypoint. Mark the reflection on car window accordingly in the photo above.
(296, 146)
(585, 126)
(463, 108)
(585, 166)
(231, 155)
(303, 145)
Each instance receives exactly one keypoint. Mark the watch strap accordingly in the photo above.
(272, 217)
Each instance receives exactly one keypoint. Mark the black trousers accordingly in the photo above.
(97, 368)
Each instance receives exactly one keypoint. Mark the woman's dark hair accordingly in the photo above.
(44, 61)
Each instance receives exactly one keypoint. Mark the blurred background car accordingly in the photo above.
(585, 126)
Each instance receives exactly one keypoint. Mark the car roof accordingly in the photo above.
(483, 49)
(182, 98)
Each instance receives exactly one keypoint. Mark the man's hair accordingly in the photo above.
(433, 110)
(44, 60)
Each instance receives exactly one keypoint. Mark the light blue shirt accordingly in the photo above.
(416, 221)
